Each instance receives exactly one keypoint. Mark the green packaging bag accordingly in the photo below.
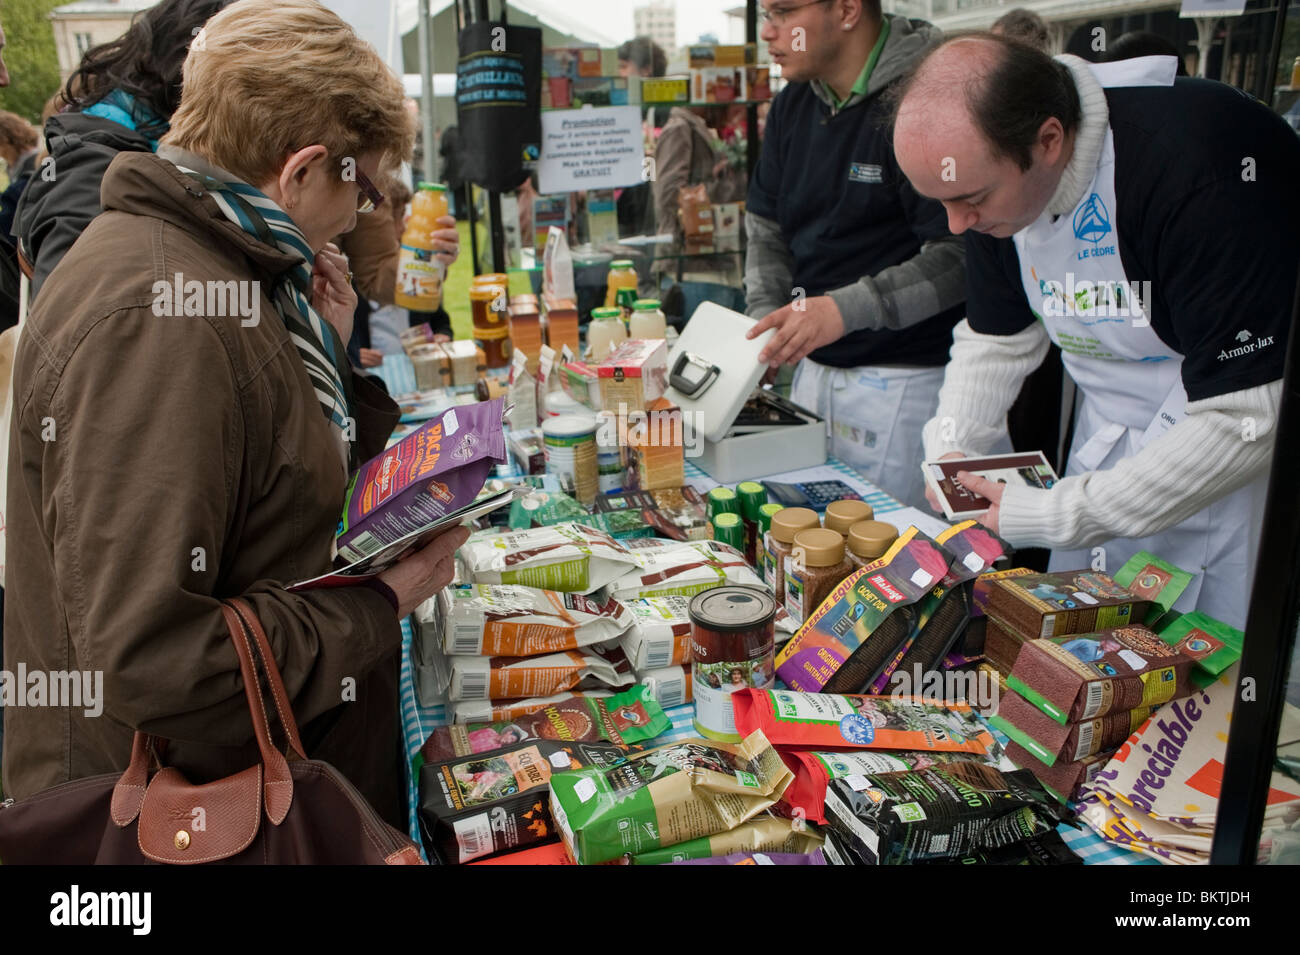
(664, 796)
(1214, 645)
(1153, 579)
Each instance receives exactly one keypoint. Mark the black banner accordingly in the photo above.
(498, 102)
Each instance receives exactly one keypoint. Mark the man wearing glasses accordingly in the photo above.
(856, 272)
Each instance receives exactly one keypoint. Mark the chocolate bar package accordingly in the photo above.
(1002, 644)
(943, 812)
(815, 721)
(432, 472)
(481, 805)
(1091, 674)
(972, 640)
(763, 833)
(1063, 779)
(1053, 605)
(865, 621)
(510, 620)
(624, 719)
(1052, 742)
(1214, 645)
(1153, 579)
(944, 612)
(621, 525)
(675, 793)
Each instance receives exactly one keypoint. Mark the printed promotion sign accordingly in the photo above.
(594, 148)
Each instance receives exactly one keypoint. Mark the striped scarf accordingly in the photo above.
(322, 352)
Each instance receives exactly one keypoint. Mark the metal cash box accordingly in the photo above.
(743, 431)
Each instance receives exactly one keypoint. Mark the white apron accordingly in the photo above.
(1129, 380)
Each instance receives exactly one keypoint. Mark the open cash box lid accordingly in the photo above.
(713, 369)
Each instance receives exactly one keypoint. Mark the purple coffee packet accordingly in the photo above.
(427, 475)
(760, 858)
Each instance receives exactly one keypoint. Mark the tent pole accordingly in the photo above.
(430, 168)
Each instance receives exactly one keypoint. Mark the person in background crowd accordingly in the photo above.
(212, 436)
(641, 56)
(1142, 43)
(1025, 26)
(20, 141)
(857, 274)
(1086, 193)
(688, 154)
(119, 99)
(376, 328)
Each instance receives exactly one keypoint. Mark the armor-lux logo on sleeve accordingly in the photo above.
(865, 172)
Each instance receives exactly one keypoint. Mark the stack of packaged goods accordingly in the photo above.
(483, 786)
(1073, 698)
(659, 645)
(1159, 795)
(677, 569)
(1037, 606)
(561, 323)
(531, 625)
(906, 609)
(525, 323)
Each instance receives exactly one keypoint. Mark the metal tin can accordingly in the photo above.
(733, 630)
(570, 443)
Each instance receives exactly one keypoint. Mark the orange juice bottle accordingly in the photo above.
(419, 273)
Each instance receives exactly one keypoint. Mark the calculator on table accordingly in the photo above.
(812, 494)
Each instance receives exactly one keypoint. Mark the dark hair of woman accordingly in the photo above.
(145, 61)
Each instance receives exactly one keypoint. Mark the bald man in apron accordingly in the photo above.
(1151, 229)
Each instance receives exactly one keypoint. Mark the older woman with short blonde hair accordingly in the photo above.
(185, 421)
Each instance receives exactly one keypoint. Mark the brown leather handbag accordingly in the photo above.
(281, 811)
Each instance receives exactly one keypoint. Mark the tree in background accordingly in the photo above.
(29, 53)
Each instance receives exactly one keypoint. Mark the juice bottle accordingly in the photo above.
(419, 273)
(622, 275)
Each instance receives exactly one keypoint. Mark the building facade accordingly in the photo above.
(658, 21)
(88, 23)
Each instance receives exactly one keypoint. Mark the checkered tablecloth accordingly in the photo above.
(418, 721)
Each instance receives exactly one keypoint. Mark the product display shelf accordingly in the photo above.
(418, 721)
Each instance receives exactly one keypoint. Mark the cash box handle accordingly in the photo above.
(702, 374)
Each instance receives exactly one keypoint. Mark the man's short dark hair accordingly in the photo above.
(1023, 25)
(1010, 102)
(646, 55)
(1142, 43)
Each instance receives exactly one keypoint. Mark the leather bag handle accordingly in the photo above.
(267, 659)
(245, 629)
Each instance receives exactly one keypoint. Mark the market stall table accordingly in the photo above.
(419, 721)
